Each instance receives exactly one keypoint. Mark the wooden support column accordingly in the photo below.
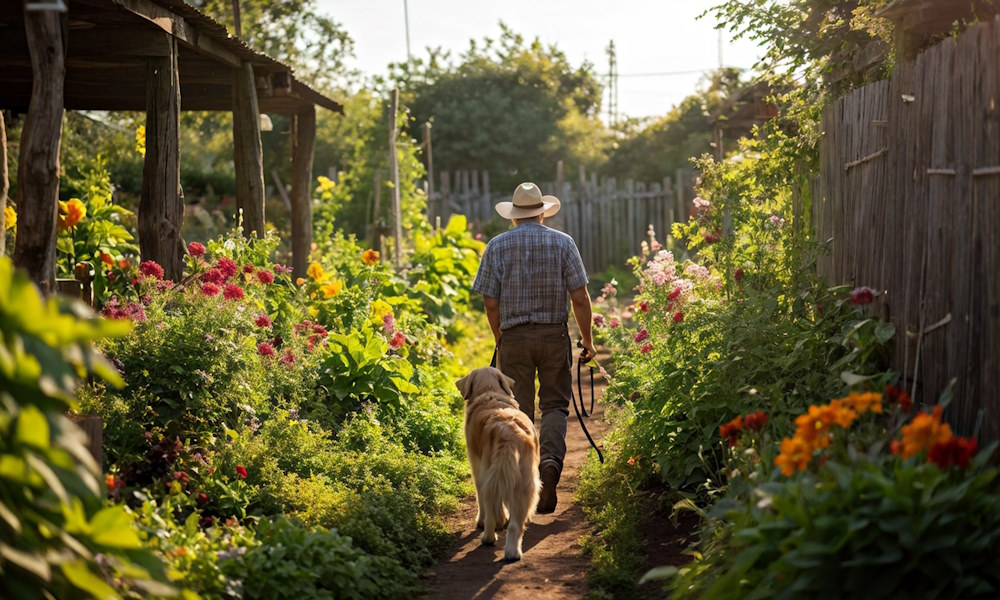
(303, 145)
(161, 206)
(4, 184)
(247, 152)
(38, 163)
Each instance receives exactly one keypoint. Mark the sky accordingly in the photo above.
(651, 36)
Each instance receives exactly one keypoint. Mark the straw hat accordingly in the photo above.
(528, 201)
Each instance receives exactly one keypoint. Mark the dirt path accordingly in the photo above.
(553, 566)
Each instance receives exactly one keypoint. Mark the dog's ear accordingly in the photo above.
(506, 383)
(464, 385)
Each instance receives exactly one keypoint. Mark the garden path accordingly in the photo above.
(553, 566)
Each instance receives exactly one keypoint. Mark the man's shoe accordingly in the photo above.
(547, 499)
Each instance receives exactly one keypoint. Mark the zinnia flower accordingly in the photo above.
(213, 276)
(196, 249)
(209, 289)
(232, 292)
(953, 451)
(71, 213)
(646, 348)
(150, 268)
(731, 431)
(242, 472)
(795, 455)
(265, 349)
(614, 322)
(370, 257)
(265, 276)
(644, 306)
(678, 317)
(755, 421)
(248, 268)
(227, 267)
(263, 321)
(674, 294)
(598, 320)
(640, 337)
(862, 295)
(331, 289)
(712, 237)
(397, 340)
(288, 358)
(923, 432)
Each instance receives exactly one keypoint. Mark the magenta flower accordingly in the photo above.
(151, 268)
(614, 322)
(862, 295)
(288, 358)
(209, 289)
(397, 340)
(213, 276)
(738, 274)
(646, 348)
(265, 349)
(674, 294)
(678, 317)
(196, 249)
(232, 292)
(227, 267)
(263, 321)
(598, 320)
(640, 337)
(265, 276)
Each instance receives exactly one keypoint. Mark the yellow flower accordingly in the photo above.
(316, 271)
(71, 213)
(332, 289)
(325, 183)
(380, 308)
(924, 431)
(10, 218)
(140, 140)
(370, 257)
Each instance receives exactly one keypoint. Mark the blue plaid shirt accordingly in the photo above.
(531, 269)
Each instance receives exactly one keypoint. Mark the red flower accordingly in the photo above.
(678, 317)
(181, 476)
(232, 292)
(262, 320)
(213, 276)
(646, 348)
(319, 330)
(227, 267)
(755, 421)
(241, 471)
(674, 294)
(209, 289)
(202, 499)
(248, 268)
(288, 358)
(397, 340)
(598, 320)
(862, 295)
(265, 349)
(640, 337)
(265, 276)
(731, 431)
(738, 274)
(953, 451)
(196, 249)
(712, 237)
(150, 268)
(894, 394)
(644, 306)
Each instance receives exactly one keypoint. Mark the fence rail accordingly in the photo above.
(909, 194)
(607, 218)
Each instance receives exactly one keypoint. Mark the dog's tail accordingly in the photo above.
(514, 479)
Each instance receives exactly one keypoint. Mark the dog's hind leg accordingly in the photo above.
(489, 536)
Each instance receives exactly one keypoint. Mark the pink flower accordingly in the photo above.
(241, 471)
(397, 340)
(209, 289)
(678, 317)
(150, 268)
(248, 268)
(646, 348)
(640, 337)
(479, 236)
(598, 320)
(388, 324)
(862, 295)
(263, 320)
(614, 322)
(227, 267)
(196, 249)
(288, 358)
(213, 276)
(319, 330)
(265, 276)
(655, 246)
(265, 349)
(232, 292)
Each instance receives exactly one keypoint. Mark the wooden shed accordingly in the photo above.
(157, 56)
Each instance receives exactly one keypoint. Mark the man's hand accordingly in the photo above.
(588, 351)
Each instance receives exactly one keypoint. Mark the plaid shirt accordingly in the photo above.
(530, 269)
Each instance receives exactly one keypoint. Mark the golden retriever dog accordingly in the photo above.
(502, 446)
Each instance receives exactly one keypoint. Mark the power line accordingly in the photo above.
(664, 73)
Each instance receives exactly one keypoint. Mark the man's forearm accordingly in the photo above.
(583, 314)
(493, 316)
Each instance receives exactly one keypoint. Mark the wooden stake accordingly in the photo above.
(303, 148)
(161, 204)
(430, 166)
(377, 213)
(38, 161)
(397, 211)
(4, 185)
(247, 151)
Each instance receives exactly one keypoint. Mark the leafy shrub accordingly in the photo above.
(53, 526)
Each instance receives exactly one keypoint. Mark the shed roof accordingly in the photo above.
(108, 42)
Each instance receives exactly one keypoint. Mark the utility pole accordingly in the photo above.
(397, 212)
(406, 17)
(612, 86)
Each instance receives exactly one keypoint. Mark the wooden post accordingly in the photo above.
(430, 167)
(4, 184)
(377, 214)
(303, 147)
(161, 204)
(397, 211)
(247, 151)
(38, 162)
(237, 24)
(679, 195)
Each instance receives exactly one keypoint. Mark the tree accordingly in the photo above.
(508, 106)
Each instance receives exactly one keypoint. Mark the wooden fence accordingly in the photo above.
(909, 194)
(607, 218)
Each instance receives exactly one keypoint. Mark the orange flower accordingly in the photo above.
(795, 455)
(299, 281)
(109, 480)
(859, 403)
(331, 289)
(924, 431)
(370, 257)
(123, 264)
(107, 259)
(70, 213)
(316, 271)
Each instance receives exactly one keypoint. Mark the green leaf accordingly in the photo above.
(658, 574)
(84, 579)
(32, 428)
(113, 528)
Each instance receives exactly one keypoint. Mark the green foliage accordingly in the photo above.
(52, 523)
(526, 100)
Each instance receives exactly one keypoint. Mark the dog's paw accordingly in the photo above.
(488, 538)
(512, 556)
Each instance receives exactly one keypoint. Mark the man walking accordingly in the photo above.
(525, 276)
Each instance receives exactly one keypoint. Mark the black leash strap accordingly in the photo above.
(579, 393)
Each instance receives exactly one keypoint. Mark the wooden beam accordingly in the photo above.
(303, 147)
(38, 163)
(177, 26)
(161, 205)
(248, 152)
